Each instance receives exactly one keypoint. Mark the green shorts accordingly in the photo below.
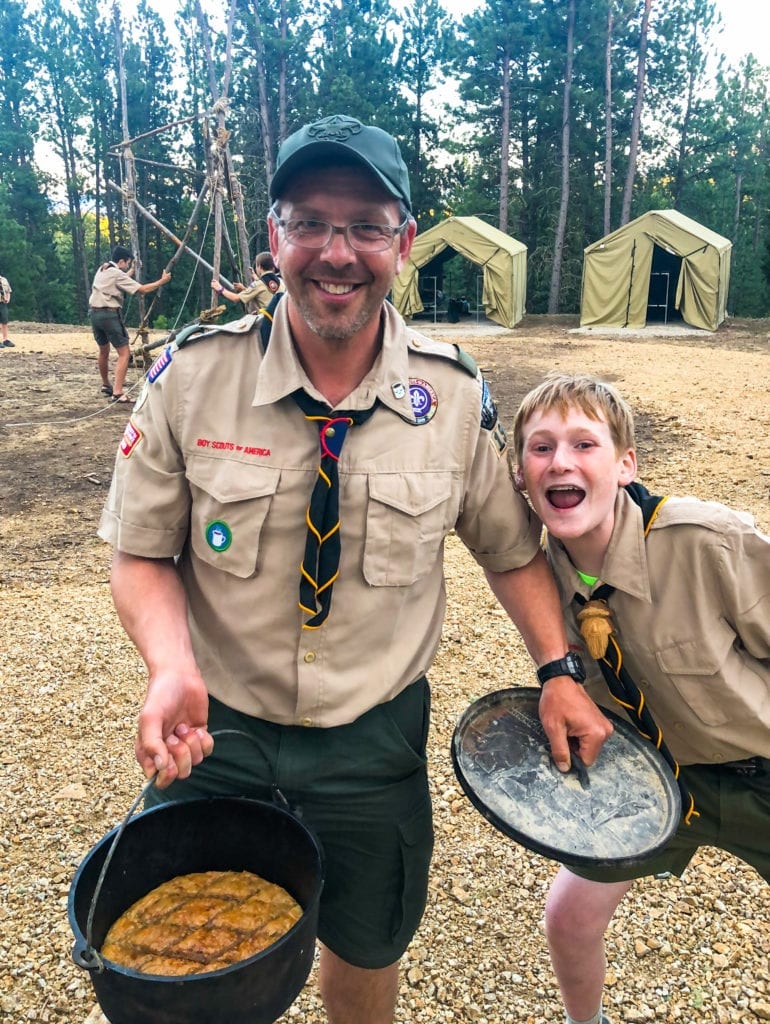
(108, 327)
(734, 815)
(363, 790)
(3, 312)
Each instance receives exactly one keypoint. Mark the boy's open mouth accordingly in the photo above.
(565, 497)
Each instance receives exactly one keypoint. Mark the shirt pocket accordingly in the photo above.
(230, 502)
(408, 518)
(699, 671)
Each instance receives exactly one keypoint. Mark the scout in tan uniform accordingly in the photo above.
(5, 298)
(280, 503)
(258, 295)
(112, 282)
(685, 587)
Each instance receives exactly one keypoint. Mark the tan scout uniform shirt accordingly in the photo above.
(692, 617)
(258, 295)
(5, 290)
(217, 466)
(109, 286)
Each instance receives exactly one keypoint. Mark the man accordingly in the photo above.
(267, 284)
(113, 280)
(685, 587)
(5, 298)
(223, 448)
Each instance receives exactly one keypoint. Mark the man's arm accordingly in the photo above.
(530, 598)
(152, 606)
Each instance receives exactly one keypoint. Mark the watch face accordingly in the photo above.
(576, 667)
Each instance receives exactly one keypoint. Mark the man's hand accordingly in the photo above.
(173, 734)
(567, 711)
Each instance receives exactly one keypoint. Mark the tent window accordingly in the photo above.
(664, 278)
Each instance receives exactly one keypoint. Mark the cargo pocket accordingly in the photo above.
(416, 838)
(695, 668)
(408, 518)
(230, 502)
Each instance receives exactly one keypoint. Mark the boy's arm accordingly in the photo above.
(530, 598)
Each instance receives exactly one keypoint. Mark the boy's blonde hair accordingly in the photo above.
(597, 399)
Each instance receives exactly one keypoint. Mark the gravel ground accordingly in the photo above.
(689, 951)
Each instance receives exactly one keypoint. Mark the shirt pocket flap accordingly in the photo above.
(413, 495)
(698, 657)
(228, 481)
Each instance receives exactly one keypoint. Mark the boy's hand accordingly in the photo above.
(566, 711)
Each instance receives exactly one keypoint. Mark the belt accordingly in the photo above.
(748, 767)
(113, 309)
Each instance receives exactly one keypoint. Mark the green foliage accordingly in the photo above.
(458, 94)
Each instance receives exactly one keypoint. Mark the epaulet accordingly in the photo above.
(445, 350)
(190, 334)
(199, 332)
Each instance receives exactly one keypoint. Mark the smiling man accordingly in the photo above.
(279, 508)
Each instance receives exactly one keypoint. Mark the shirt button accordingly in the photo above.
(718, 757)
(310, 657)
(307, 721)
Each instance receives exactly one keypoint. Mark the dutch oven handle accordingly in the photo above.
(83, 953)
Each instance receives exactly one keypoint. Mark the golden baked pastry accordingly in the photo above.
(200, 922)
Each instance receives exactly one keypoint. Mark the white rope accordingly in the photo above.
(130, 390)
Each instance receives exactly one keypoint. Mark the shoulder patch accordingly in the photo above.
(444, 350)
(488, 408)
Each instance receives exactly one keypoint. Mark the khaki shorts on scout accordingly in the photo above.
(734, 816)
(108, 327)
(363, 790)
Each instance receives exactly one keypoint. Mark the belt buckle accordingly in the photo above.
(748, 768)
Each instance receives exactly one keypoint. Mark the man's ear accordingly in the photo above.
(627, 467)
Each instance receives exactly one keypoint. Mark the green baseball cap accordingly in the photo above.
(343, 139)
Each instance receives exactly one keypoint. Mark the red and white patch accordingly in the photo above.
(131, 438)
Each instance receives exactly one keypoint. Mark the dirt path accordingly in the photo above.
(72, 684)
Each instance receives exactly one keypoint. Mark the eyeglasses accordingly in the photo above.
(316, 234)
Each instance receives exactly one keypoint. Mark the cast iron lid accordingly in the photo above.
(620, 811)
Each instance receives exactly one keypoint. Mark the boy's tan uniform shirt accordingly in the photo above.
(259, 294)
(5, 289)
(692, 617)
(217, 466)
(109, 286)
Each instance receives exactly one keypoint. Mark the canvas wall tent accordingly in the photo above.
(503, 259)
(656, 267)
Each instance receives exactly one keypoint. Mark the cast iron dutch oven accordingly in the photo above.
(621, 811)
(216, 834)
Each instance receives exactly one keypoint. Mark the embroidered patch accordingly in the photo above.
(160, 364)
(132, 435)
(488, 408)
(424, 400)
(498, 438)
(219, 536)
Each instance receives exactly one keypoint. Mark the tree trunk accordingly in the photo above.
(129, 170)
(561, 226)
(264, 106)
(505, 140)
(687, 116)
(636, 120)
(608, 121)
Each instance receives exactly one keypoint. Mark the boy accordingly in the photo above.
(685, 587)
(266, 284)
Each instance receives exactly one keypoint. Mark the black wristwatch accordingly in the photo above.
(570, 665)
